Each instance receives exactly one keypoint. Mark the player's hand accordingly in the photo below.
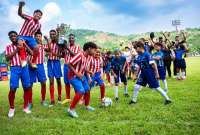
(157, 76)
(80, 75)
(21, 3)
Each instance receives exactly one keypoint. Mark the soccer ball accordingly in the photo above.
(106, 101)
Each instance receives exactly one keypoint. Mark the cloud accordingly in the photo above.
(91, 6)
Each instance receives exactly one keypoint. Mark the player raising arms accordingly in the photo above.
(147, 73)
(17, 72)
(29, 28)
(77, 77)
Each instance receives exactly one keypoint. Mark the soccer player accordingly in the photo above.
(118, 66)
(17, 72)
(95, 68)
(39, 72)
(147, 73)
(72, 50)
(29, 28)
(77, 75)
(54, 67)
(128, 55)
(107, 65)
(180, 63)
(158, 57)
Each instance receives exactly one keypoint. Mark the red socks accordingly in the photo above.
(67, 89)
(74, 102)
(26, 98)
(43, 91)
(108, 77)
(87, 98)
(30, 96)
(52, 93)
(11, 97)
(102, 90)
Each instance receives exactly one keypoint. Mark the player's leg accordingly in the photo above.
(79, 91)
(58, 74)
(116, 79)
(183, 69)
(67, 84)
(124, 80)
(59, 87)
(51, 81)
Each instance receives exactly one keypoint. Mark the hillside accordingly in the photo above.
(109, 41)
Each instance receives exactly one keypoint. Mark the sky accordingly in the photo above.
(122, 17)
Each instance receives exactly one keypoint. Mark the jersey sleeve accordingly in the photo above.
(7, 51)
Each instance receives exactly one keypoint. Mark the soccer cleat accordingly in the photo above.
(44, 103)
(66, 101)
(167, 102)
(90, 108)
(72, 113)
(183, 77)
(11, 113)
(52, 104)
(126, 95)
(132, 102)
(26, 110)
(23, 63)
(30, 106)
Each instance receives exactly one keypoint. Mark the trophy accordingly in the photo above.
(62, 31)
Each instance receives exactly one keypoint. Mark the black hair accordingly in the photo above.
(127, 47)
(71, 35)
(109, 52)
(52, 31)
(38, 32)
(12, 32)
(88, 45)
(139, 44)
(37, 10)
(158, 44)
(152, 35)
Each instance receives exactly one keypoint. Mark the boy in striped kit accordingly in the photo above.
(95, 69)
(77, 76)
(29, 28)
(17, 72)
(71, 50)
(54, 67)
(39, 72)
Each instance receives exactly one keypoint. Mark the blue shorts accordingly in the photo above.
(66, 71)
(80, 85)
(31, 42)
(16, 73)
(162, 73)
(96, 80)
(54, 69)
(37, 74)
(147, 76)
(120, 75)
(107, 68)
(180, 63)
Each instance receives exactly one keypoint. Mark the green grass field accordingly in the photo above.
(148, 117)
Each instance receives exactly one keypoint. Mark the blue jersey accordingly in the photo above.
(118, 64)
(144, 60)
(179, 53)
(160, 62)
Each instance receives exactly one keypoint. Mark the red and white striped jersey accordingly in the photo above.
(95, 64)
(75, 49)
(54, 49)
(15, 60)
(29, 27)
(80, 62)
(41, 55)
